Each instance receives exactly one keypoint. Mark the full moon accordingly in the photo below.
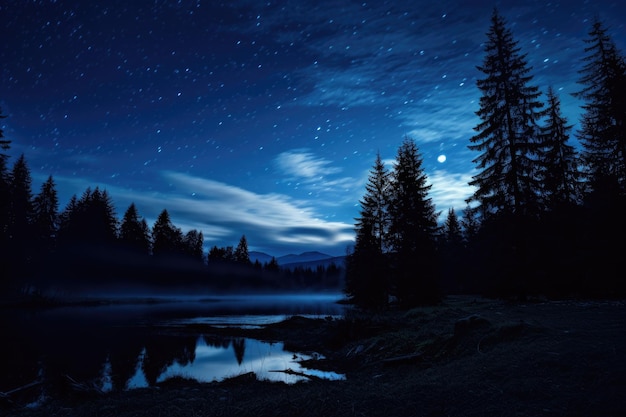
(441, 159)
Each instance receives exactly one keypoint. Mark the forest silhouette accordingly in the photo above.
(85, 247)
(545, 218)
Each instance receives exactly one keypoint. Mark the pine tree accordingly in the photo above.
(470, 223)
(5, 256)
(134, 233)
(366, 268)
(5, 144)
(166, 237)
(20, 233)
(452, 253)
(5, 193)
(46, 215)
(272, 265)
(65, 219)
(221, 255)
(603, 125)
(603, 136)
(104, 211)
(413, 229)
(507, 137)
(560, 176)
(21, 200)
(242, 256)
(5, 198)
(452, 232)
(45, 226)
(94, 219)
(193, 242)
(366, 275)
(375, 204)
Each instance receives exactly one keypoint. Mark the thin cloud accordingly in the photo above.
(449, 190)
(270, 218)
(318, 177)
(300, 163)
(223, 213)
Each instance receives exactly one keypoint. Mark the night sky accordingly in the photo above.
(264, 118)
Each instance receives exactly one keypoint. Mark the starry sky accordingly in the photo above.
(263, 118)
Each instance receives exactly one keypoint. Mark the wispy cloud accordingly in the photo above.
(319, 177)
(273, 223)
(449, 190)
(301, 163)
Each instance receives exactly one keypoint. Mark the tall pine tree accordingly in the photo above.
(561, 177)
(193, 244)
(367, 269)
(20, 230)
(242, 256)
(508, 134)
(413, 229)
(452, 250)
(134, 233)
(603, 125)
(21, 200)
(375, 204)
(45, 227)
(508, 182)
(5, 193)
(166, 238)
(46, 214)
(5, 144)
(603, 136)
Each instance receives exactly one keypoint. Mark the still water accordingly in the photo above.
(133, 343)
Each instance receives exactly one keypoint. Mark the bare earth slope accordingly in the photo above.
(465, 357)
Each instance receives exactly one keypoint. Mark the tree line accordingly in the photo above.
(544, 219)
(86, 247)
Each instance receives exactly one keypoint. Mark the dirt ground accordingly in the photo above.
(466, 357)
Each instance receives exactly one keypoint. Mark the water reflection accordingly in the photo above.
(138, 379)
(268, 361)
(119, 346)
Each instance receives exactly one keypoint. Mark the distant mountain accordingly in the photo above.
(262, 257)
(311, 259)
(339, 261)
(303, 257)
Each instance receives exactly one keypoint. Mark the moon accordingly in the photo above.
(441, 158)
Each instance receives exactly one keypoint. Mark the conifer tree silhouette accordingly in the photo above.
(367, 266)
(508, 134)
(413, 229)
(603, 124)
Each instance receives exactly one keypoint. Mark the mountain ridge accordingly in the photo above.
(291, 259)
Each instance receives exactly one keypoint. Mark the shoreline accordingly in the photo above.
(467, 356)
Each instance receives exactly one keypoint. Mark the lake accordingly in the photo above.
(127, 343)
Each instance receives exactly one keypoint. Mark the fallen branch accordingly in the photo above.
(18, 389)
(292, 372)
(83, 387)
(399, 360)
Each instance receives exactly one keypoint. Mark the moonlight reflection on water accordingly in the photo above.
(268, 361)
(119, 344)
